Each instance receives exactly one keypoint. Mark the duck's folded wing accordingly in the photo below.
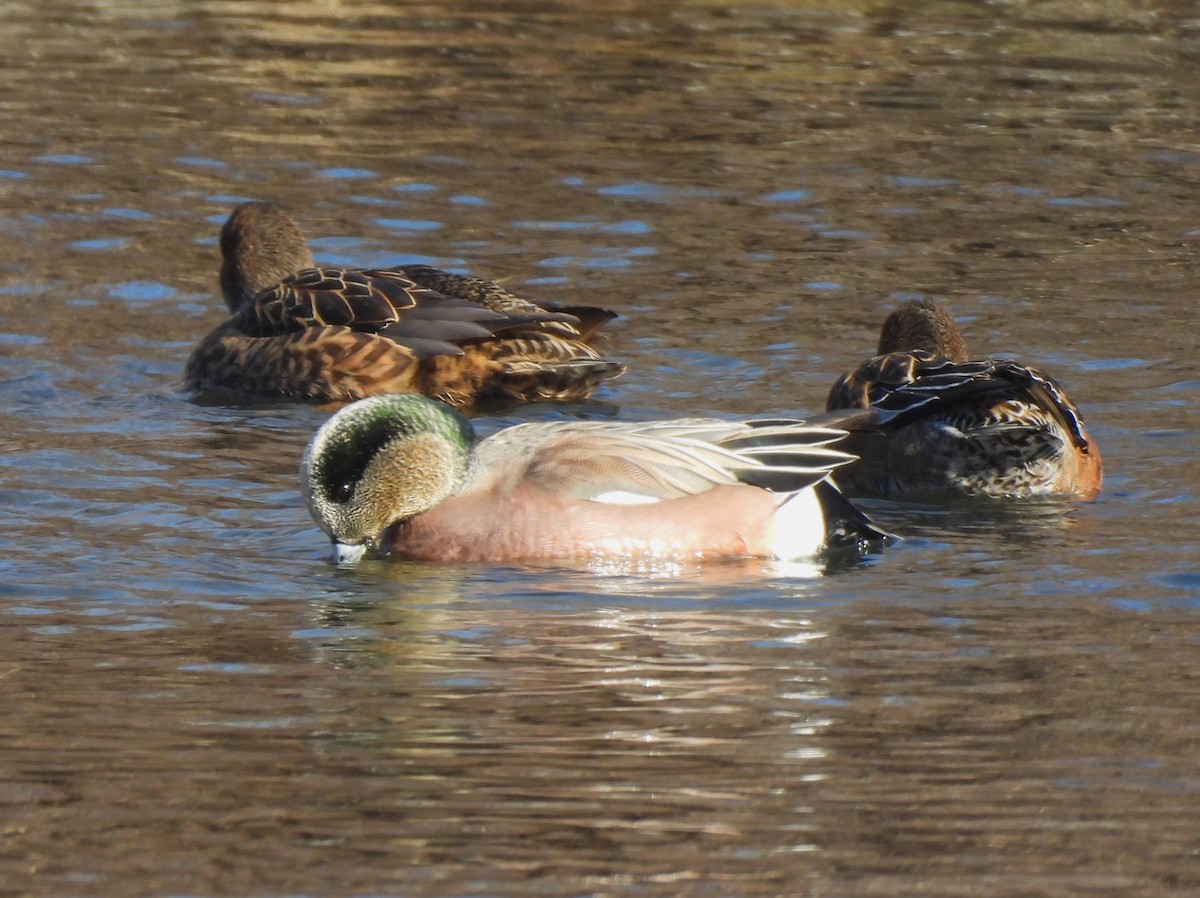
(900, 381)
(366, 301)
(482, 292)
(909, 385)
(903, 386)
(788, 455)
(1047, 394)
(665, 460)
(576, 322)
(382, 301)
(589, 319)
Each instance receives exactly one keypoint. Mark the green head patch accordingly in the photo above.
(348, 442)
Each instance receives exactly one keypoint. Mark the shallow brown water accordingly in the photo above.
(196, 703)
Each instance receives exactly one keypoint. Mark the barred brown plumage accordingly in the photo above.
(335, 334)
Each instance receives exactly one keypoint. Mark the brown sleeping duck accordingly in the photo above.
(945, 422)
(337, 335)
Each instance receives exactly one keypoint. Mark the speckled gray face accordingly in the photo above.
(381, 459)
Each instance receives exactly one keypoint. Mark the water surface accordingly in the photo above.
(196, 703)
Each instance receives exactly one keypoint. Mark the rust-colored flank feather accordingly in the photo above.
(337, 335)
(945, 422)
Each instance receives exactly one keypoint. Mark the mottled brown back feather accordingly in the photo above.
(413, 328)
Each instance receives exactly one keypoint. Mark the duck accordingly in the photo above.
(335, 335)
(949, 423)
(404, 475)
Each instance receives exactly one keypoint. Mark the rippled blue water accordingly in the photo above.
(198, 703)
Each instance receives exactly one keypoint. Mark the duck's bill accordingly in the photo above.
(344, 553)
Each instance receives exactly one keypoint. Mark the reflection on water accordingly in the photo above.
(196, 703)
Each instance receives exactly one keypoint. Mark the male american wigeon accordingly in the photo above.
(335, 334)
(405, 475)
(945, 422)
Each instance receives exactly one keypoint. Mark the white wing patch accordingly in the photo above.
(621, 497)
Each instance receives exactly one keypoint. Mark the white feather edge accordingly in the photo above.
(623, 497)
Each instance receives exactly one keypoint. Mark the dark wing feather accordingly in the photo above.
(451, 330)
(902, 386)
(577, 322)
(365, 301)
(589, 319)
(1048, 395)
(787, 455)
